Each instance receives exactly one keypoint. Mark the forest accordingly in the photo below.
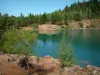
(80, 10)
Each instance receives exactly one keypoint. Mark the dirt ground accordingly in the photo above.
(10, 68)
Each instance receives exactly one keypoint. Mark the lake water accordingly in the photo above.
(85, 43)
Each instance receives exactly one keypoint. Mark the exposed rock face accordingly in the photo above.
(49, 32)
(44, 66)
(77, 70)
(50, 66)
(33, 59)
(91, 68)
(49, 63)
(48, 27)
(86, 23)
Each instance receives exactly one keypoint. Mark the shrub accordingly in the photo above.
(81, 25)
(66, 23)
(93, 26)
(87, 26)
(18, 41)
(35, 25)
(66, 55)
(77, 17)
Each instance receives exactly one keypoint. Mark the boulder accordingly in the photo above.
(75, 70)
(32, 59)
(48, 63)
(92, 68)
(89, 67)
(95, 72)
(72, 69)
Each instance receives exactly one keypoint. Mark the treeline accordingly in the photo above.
(77, 11)
(83, 10)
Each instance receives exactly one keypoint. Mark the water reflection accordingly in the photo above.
(85, 43)
(49, 32)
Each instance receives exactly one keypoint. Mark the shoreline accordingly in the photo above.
(72, 24)
(10, 68)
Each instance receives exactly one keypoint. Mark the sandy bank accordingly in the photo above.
(47, 63)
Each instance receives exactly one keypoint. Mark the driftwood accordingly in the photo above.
(24, 63)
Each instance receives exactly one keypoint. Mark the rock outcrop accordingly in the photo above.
(49, 63)
(53, 66)
(43, 66)
(33, 59)
(77, 70)
(48, 27)
(46, 63)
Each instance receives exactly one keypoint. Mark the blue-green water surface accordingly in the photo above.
(85, 43)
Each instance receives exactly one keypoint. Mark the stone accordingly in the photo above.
(72, 69)
(97, 68)
(90, 67)
(48, 63)
(32, 59)
(95, 72)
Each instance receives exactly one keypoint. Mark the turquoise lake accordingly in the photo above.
(85, 44)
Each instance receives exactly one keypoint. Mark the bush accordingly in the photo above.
(66, 55)
(81, 25)
(18, 41)
(87, 26)
(77, 17)
(35, 25)
(93, 26)
(66, 23)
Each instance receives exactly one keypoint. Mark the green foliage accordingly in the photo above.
(65, 54)
(81, 25)
(57, 17)
(44, 18)
(77, 17)
(5, 23)
(35, 25)
(93, 26)
(18, 41)
(65, 19)
(77, 11)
